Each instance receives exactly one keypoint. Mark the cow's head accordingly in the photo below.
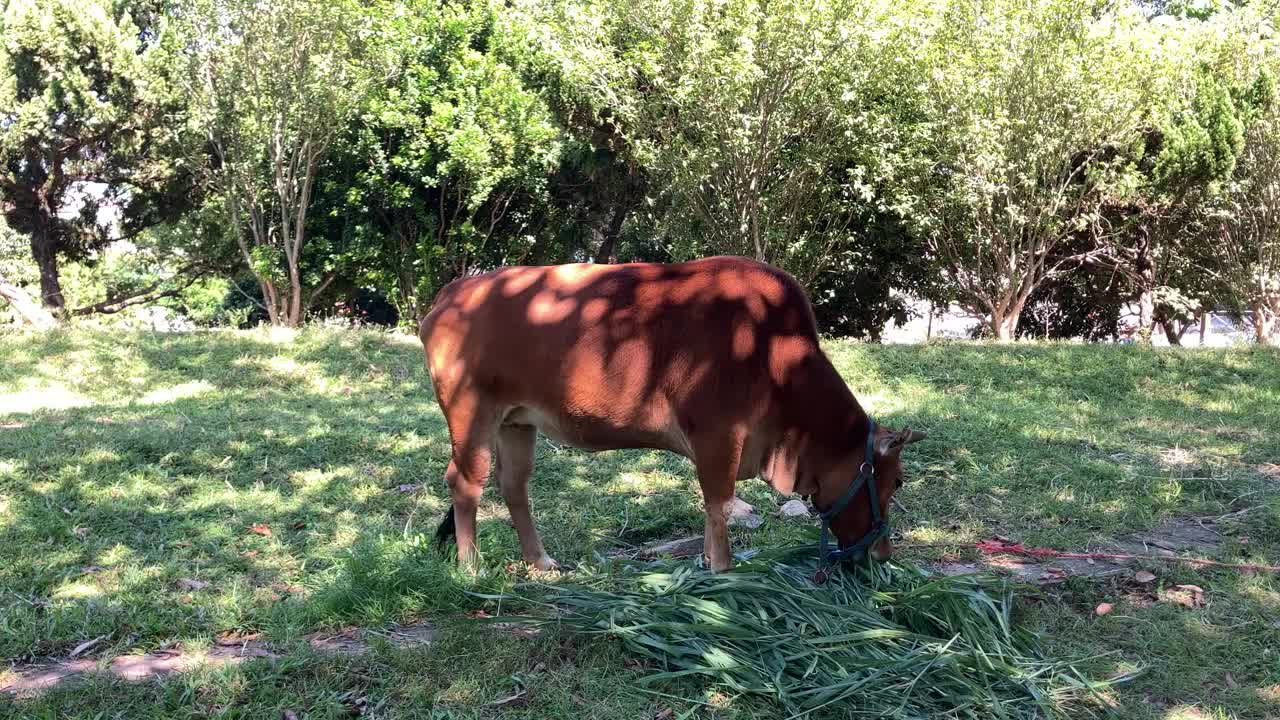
(856, 520)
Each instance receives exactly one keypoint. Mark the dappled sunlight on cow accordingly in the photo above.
(716, 360)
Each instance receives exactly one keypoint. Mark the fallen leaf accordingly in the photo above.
(231, 637)
(1103, 608)
(284, 588)
(288, 715)
(664, 714)
(478, 614)
(509, 699)
(86, 645)
(261, 529)
(1143, 576)
(1231, 681)
(357, 707)
(1191, 596)
(80, 532)
(298, 525)
(249, 554)
(192, 584)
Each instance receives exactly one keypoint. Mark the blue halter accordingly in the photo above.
(867, 477)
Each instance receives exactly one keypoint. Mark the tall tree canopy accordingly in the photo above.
(1028, 103)
(89, 128)
(272, 85)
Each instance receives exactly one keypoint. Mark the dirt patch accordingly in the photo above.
(1269, 472)
(228, 649)
(1172, 538)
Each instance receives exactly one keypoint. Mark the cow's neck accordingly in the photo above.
(820, 424)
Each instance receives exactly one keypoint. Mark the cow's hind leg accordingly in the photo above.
(467, 475)
(515, 466)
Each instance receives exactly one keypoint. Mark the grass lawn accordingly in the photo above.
(271, 468)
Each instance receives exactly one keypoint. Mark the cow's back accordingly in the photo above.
(605, 356)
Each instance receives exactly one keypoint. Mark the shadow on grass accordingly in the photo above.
(106, 510)
(271, 498)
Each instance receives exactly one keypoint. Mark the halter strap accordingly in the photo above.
(866, 477)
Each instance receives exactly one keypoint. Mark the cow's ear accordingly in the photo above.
(891, 443)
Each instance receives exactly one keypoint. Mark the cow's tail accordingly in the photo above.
(446, 530)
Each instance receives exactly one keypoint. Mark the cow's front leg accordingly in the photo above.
(715, 538)
(717, 474)
(515, 466)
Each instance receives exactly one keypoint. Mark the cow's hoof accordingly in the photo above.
(545, 564)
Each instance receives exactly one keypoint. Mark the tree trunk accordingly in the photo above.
(25, 306)
(1204, 325)
(1266, 325)
(1004, 326)
(269, 299)
(46, 257)
(607, 254)
(1146, 315)
(1172, 332)
(294, 316)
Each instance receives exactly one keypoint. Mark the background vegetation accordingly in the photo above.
(1052, 159)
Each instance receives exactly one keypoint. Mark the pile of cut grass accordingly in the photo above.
(880, 641)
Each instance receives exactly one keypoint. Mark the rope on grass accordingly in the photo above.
(997, 547)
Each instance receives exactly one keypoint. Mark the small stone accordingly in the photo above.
(795, 508)
(750, 521)
(740, 508)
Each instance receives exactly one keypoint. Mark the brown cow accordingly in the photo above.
(715, 359)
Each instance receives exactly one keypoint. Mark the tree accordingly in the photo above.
(1246, 225)
(770, 130)
(1028, 102)
(88, 126)
(274, 84)
(444, 171)
(17, 271)
(1151, 227)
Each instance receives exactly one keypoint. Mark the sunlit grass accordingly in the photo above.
(153, 457)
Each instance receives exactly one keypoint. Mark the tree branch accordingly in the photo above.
(150, 294)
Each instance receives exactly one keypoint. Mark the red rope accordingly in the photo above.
(994, 547)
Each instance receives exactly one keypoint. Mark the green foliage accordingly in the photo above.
(886, 641)
(446, 166)
(272, 87)
(87, 122)
(1201, 147)
(968, 150)
(1025, 103)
